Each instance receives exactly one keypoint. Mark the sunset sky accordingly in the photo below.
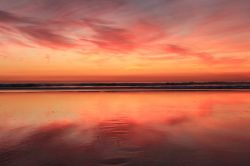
(124, 40)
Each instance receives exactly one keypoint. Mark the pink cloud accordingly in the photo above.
(183, 52)
(7, 17)
(124, 26)
(46, 37)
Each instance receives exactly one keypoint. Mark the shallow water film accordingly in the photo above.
(125, 128)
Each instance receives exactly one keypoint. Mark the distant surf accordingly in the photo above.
(124, 86)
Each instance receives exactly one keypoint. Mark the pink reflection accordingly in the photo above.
(197, 128)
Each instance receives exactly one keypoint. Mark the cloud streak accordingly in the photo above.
(46, 37)
(7, 17)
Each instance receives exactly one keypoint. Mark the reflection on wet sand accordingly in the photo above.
(214, 132)
(118, 142)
